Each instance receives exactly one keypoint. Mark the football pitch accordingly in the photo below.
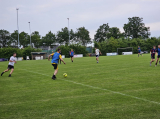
(118, 87)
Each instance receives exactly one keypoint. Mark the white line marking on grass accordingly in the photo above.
(100, 89)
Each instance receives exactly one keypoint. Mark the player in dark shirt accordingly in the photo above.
(153, 52)
(72, 54)
(139, 51)
(158, 55)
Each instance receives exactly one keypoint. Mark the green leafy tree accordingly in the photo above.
(63, 36)
(135, 28)
(114, 32)
(101, 33)
(36, 39)
(5, 39)
(14, 37)
(82, 36)
(49, 39)
(24, 39)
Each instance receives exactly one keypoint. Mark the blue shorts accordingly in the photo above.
(139, 51)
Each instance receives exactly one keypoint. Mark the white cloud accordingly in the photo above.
(153, 26)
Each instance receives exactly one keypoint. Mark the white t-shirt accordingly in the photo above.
(12, 59)
(97, 51)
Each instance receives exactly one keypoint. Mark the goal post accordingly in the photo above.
(125, 48)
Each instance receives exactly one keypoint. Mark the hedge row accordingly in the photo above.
(78, 49)
(8, 52)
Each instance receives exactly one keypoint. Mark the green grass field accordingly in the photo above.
(119, 87)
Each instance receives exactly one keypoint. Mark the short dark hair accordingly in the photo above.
(58, 49)
(14, 53)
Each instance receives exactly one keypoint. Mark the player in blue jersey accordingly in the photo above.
(153, 52)
(55, 58)
(158, 55)
(72, 54)
(139, 51)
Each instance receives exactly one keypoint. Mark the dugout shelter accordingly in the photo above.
(38, 55)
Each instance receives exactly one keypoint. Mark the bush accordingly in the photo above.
(8, 52)
(78, 49)
(65, 50)
(27, 52)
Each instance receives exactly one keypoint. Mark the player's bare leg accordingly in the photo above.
(97, 59)
(11, 72)
(54, 76)
(72, 59)
(157, 62)
(4, 72)
(152, 60)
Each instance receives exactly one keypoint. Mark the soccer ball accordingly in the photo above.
(65, 75)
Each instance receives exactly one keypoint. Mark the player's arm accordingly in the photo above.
(12, 60)
(100, 52)
(150, 51)
(50, 56)
(62, 60)
(60, 57)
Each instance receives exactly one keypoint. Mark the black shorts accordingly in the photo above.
(153, 57)
(139, 51)
(10, 67)
(97, 55)
(55, 66)
(158, 56)
(71, 56)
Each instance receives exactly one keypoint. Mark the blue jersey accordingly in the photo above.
(139, 49)
(158, 51)
(55, 57)
(72, 53)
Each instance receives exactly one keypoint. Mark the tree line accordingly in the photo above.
(111, 44)
(135, 28)
(81, 36)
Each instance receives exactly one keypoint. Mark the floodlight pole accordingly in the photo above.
(30, 33)
(17, 26)
(68, 31)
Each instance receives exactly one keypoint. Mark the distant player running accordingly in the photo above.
(11, 65)
(152, 52)
(139, 51)
(158, 55)
(72, 54)
(55, 58)
(97, 51)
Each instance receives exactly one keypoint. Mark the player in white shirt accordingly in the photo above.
(97, 51)
(11, 65)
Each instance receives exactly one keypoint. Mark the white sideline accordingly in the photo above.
(100, 88)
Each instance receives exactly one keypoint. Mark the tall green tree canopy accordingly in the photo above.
(63, 36)
(24, 39)
(49, 39)
(101, 33)
(36, 39)
(14, 37)
(114, 32)
(135, 28)
(5, 39)
(82, 36)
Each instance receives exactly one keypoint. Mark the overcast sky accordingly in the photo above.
(51, 15)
